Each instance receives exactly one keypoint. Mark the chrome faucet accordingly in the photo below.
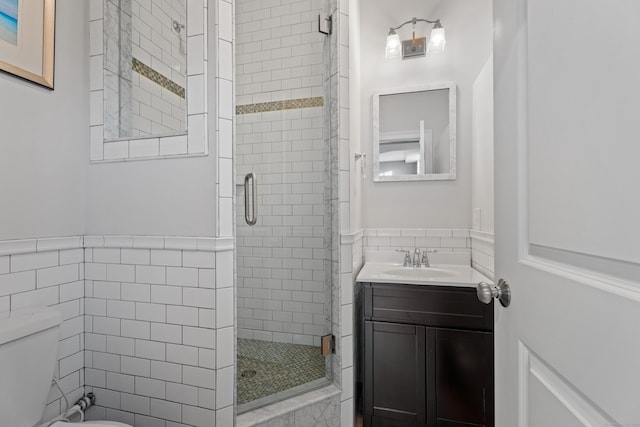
(416, 258)
(417, 262)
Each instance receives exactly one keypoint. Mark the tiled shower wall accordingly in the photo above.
(283, 264)
(279, 51)
(155, 43)
(49, 272)
(282, 291)
(145, 67)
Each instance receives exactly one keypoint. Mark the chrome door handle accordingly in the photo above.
(501, 292)
(251, 220)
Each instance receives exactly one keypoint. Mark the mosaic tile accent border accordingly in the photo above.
(289, 104)
(148, 72)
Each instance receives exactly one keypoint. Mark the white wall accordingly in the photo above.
(355, 117)
(482, 163)
(44, 142)
(468, 25)
(160, 197)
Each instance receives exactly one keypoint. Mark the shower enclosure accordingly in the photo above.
(284, 199)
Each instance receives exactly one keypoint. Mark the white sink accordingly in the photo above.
(422, 273)
(444, 275)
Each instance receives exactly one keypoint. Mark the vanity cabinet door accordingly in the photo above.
(395, 375)
(463, 378)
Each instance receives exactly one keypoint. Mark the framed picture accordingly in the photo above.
(27, 29)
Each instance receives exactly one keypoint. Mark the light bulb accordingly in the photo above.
(437, 40)
(394, 46)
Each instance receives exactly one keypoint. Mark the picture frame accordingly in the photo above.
(27, 40)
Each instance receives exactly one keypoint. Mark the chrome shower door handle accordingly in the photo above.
(251, 220)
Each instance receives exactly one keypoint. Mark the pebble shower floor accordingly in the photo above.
(266, 368)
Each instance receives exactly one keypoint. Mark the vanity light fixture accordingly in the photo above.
(415, 46)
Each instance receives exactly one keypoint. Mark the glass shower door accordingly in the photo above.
(283, 225)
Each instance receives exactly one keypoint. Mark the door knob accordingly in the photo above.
(501, 292)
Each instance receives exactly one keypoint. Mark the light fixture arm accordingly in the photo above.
(414, 21)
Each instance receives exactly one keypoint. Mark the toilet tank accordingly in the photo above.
(28, 354)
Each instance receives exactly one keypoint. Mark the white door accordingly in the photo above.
(567, 128)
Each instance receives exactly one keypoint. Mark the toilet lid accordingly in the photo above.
(91, 424)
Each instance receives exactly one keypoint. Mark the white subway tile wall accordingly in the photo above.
(144, 72)
(151, 333)
(349, 271)
(444, 240)
(351, 249)
(282, 273)
(158, 44)
(55, 279)
(279, 52)
(147, 325)
(482, 253)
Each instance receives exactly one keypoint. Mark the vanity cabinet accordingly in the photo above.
(425, 356)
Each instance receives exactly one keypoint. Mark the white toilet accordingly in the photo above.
(28, 354)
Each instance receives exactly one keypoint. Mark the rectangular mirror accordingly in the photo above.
(414, 133)
(145, 65)
(148, 79)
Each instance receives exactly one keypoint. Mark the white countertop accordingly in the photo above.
(438, 275)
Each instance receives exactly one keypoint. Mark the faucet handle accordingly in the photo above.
(407, 257)
(425, 257)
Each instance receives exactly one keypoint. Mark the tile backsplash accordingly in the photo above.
(482, 253)
(478, 245)
(385, 239)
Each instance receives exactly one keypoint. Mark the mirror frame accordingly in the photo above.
(453, 130)
(193, 141)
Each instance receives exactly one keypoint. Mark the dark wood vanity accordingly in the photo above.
(425, 356)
